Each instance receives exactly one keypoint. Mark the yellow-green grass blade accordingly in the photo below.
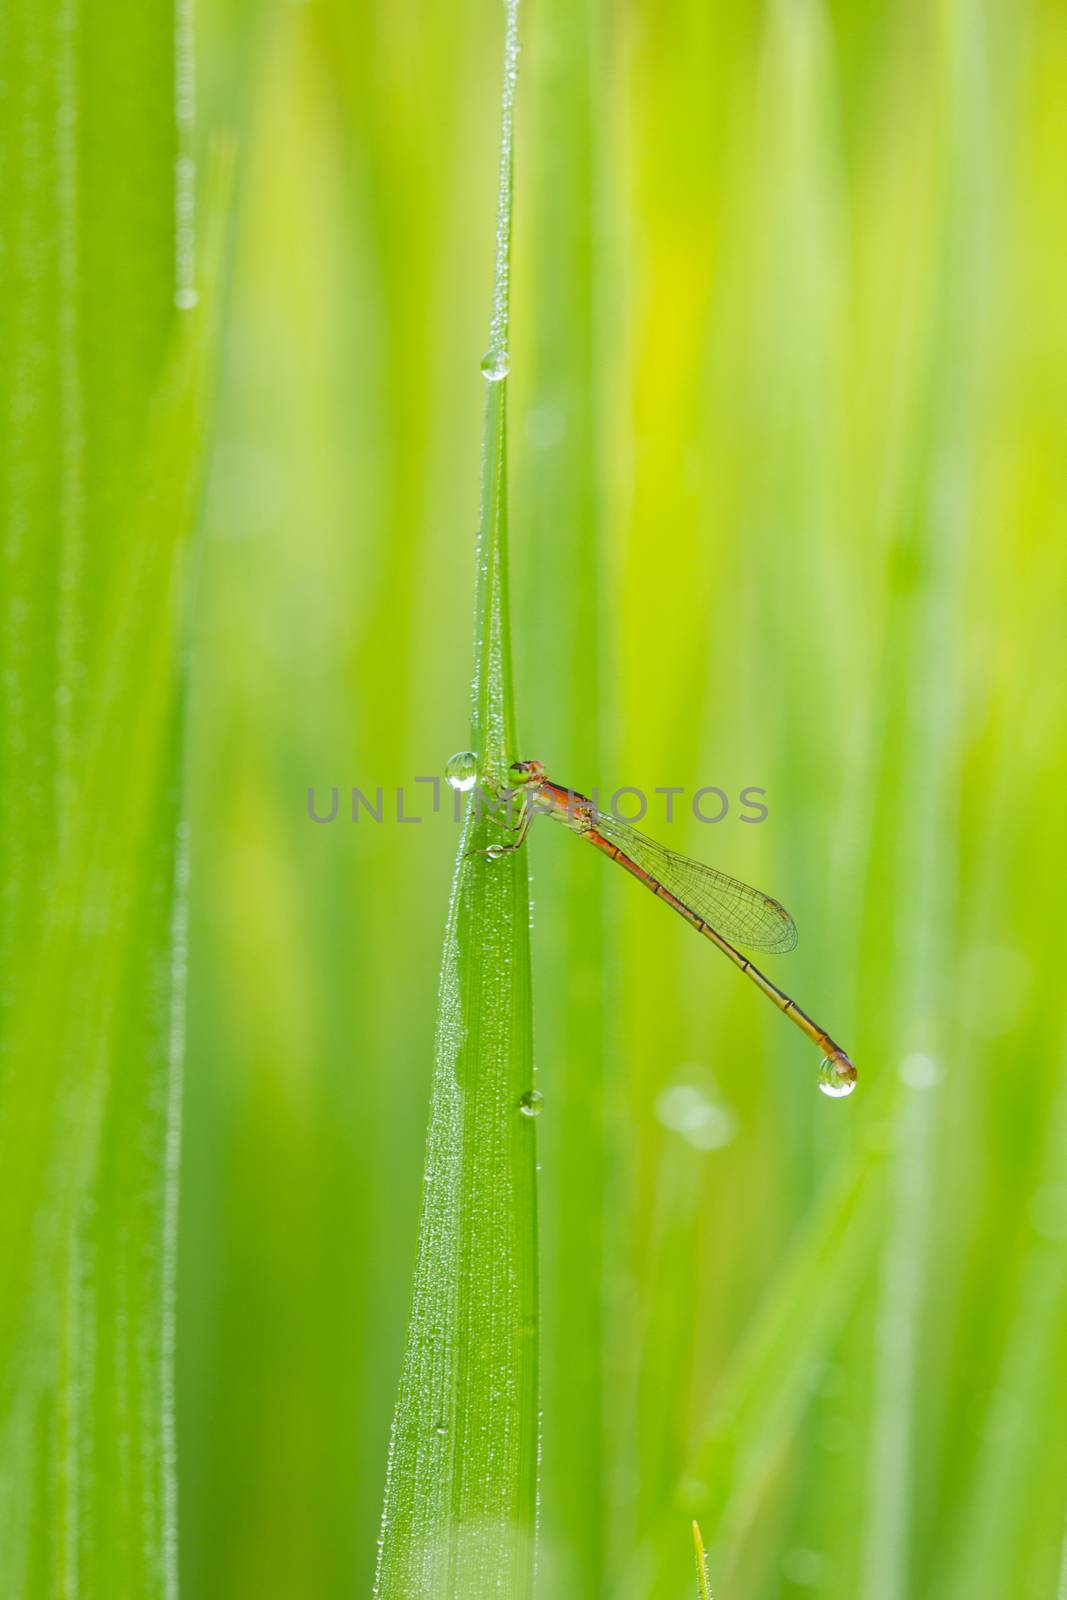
(703, 1582)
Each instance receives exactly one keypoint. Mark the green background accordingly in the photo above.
(788, 443)
(788, 429)
(788, 435)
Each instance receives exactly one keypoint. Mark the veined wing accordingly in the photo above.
(741, 914)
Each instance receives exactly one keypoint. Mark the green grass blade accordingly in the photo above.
(461, 1486)
(100, 498)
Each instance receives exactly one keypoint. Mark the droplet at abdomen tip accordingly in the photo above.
(837, 1075)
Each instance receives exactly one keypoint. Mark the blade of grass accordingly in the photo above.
(461, 1481)
(98, 457)
(90, 1089)
(703, 1583)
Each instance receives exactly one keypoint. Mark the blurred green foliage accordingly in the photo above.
(788, 445)
(789, 505)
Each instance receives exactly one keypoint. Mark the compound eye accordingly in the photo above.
(519, 774)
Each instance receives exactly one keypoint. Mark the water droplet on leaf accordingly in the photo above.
(531, 1103)
(461, 770)
(495, 365)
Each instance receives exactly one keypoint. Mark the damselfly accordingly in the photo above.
(717, 906)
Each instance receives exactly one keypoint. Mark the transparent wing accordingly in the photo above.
(741, 914)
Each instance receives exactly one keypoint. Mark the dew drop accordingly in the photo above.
(832, 1082)
(531, 1102)
(461, 770)
(495, 365)
(441, 1429)
(186, 299)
